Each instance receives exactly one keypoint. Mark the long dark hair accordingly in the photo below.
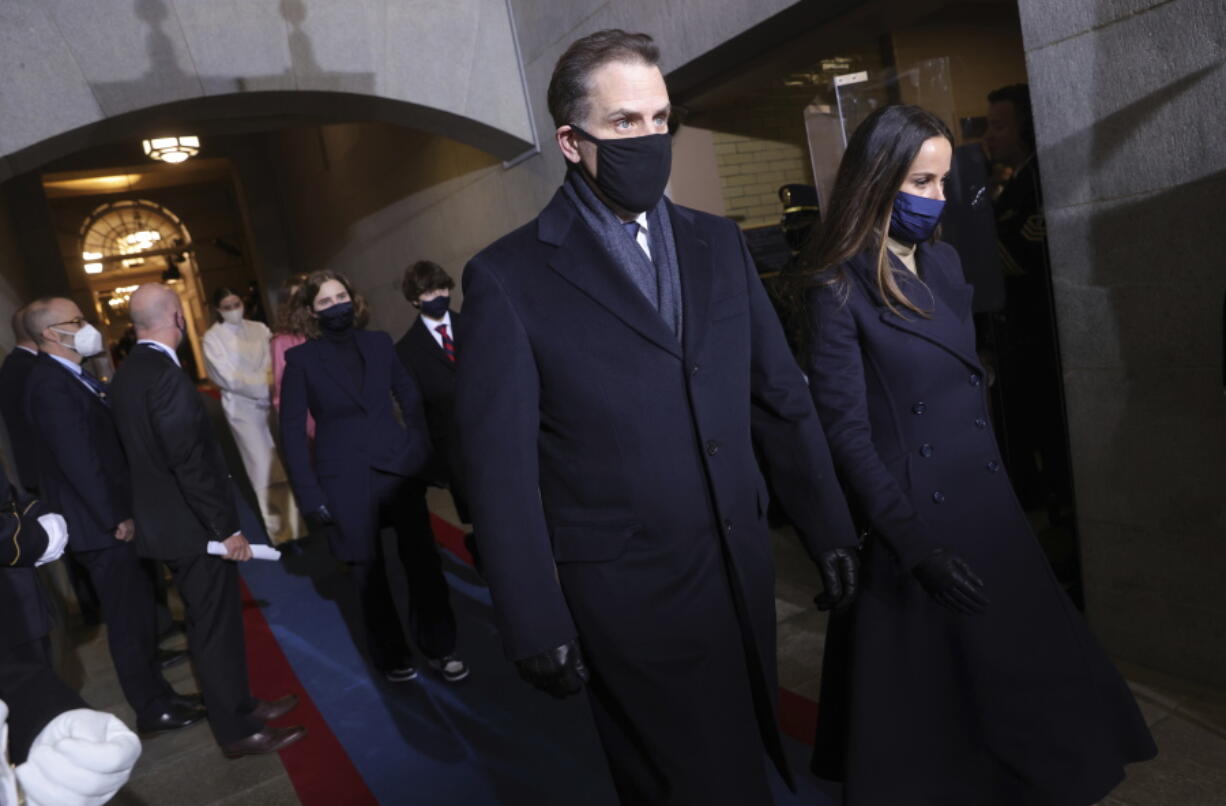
(218, 295)
(309, 290)
(857, 217)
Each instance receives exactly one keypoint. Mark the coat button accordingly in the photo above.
(981, 423)
(919, 408)
(694, 370)
(993, 466)
(926, 450)
(727, 526)
(938, 497)
(712, 448)
(975, 379)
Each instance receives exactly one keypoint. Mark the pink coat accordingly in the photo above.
(279, 344)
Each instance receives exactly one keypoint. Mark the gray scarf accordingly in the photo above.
(657, 277)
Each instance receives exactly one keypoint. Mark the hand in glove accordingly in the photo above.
(560, 671)
(81, 758)
(840, 570)
(320, 517)
(951, 581)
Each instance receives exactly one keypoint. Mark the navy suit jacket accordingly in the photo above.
(82, 468)
(13, 377)
(356, 431)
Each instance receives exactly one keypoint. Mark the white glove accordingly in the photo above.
(81, 758)
(8, 781)
(57, 536)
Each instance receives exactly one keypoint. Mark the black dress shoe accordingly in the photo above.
(269, 740)
(268, 710)
(176, 715)
(171, 657)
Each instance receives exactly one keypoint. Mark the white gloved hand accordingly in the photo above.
(8, 781)
(57, 536)
(81, 758)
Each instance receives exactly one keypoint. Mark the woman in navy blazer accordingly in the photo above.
(962, 674)
(366, 471)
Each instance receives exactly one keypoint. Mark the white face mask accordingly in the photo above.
(233, 317)
(85, 342)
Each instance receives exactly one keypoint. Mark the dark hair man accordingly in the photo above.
(613, 351)
(83, 474)
(429, 351)
(182, 499)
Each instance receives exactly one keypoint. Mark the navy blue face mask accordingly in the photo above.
(915, 218)
(337, 318)
(435, 308)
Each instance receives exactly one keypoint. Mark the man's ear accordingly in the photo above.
(568, 143)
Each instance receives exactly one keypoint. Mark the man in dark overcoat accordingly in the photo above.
(613, 350)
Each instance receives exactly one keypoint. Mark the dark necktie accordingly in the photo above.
(93, 383)
(448, 344)
(632, 229)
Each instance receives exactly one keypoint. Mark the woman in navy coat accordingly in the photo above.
(963, 675)
(366, 471)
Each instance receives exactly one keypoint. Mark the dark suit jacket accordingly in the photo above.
(25, 613)
(13, 377)
(181, 490)
(82, 470)
(356, 431)
(610, 467)
(435, 375)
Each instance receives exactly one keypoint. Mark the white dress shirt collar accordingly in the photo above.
(164, 348)
(73, 366)
(432, 326)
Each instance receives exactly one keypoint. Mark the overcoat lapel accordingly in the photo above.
(946, 305)
(582, 261)
(694, 265)
(339, 378)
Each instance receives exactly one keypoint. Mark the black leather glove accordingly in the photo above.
(840, 570)
(560, 671)
(949, 579)
(320, 517)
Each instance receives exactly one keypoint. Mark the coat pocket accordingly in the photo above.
(592, 542)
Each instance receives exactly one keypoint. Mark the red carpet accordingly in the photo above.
(318, 766)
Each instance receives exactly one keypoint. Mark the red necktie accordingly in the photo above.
(448, 344)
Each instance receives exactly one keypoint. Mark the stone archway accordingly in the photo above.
(79, 75)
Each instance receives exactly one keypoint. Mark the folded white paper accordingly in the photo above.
(258, 552)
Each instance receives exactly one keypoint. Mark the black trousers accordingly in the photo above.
(125, 593)
(33, 693)
(209, 587)
(402, 505)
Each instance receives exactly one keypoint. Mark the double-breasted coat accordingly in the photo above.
(1015, 706)
(615, 494)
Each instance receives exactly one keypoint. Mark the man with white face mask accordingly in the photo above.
(83, 474)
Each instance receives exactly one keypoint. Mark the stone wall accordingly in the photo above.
(446, 201)
(1128, 99)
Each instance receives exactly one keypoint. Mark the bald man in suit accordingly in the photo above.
(182, 500)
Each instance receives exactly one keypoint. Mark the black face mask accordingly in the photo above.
(337, 318)
(435, 308)
(632, 171)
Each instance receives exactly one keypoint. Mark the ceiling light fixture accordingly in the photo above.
(172, 149)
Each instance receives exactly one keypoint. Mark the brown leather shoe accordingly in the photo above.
(268, 710)
(269, 740)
